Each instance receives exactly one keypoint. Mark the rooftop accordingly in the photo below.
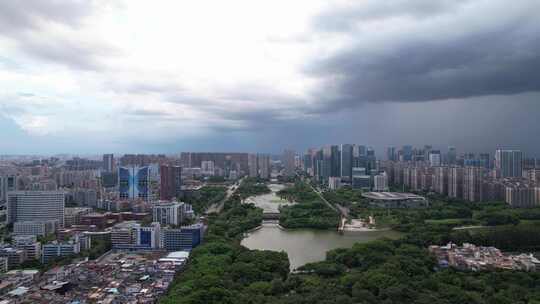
(391, 196)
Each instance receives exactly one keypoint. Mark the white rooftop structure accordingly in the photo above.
(392, 196)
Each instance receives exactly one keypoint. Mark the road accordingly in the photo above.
(217, 207)
(338, 210)
(343, 211)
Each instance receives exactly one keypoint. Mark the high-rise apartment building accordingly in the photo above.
(108, 163)
(7, 183)
(472, 184)
(455, 182)
(288, 162)
(521, 196)
(326, 164)
(407, 153)
(435, 158)
(485, 160)
(415, 178)
(509, 162)
(441, 180)
(380, 182)
(170, 182)
(253, 165)
(391, 154)
(346, 161)
(263, 164)
(171, 213)
(335, 166)
(134, 183)
(371, 160)
(451, 156)
(308, 162)
(36, 206)
(207, 168)
(224, 161)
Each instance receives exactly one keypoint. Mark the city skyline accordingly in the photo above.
(91, 77)
(308, 151)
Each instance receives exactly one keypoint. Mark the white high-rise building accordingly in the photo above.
(435, 158)
(380, 182)
(207, 168)
(36, 206)
(334, 182)
(171, 213)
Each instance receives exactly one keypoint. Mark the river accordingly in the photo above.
(303, 245)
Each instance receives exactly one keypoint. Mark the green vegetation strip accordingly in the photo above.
(309, 212)
(206, 197)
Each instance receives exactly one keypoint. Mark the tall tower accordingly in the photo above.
(108, 162)
(509, 162)
(170, 182)
(134, 182)
(472, 184)
(346, 161)
(288, 162)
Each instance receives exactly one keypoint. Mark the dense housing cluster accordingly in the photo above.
(115, 278)
(471, 257)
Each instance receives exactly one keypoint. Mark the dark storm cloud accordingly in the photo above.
(256, 92)
(344, 18)
(62, 50)
(29, 24)
(496, 55)
(16, 15)
(151, 86)
(149, 113)
(252, 106)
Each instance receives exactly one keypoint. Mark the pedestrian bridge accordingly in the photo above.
(271, 216)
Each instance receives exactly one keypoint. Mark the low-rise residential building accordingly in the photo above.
(131, 235)
(37, 228)
(476, 258)
(55, 250)
(185, 238)
(172, 213)
(72, 216)
(3, 264)
(29, 244)
(14, 256)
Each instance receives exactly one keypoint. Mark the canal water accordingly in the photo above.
(302, 245)
(307, 245)
(269, 202)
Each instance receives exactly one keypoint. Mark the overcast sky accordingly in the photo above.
(170, 76)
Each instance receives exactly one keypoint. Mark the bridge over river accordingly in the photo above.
(270, 216)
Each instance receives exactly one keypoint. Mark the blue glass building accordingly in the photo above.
(134, 182)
